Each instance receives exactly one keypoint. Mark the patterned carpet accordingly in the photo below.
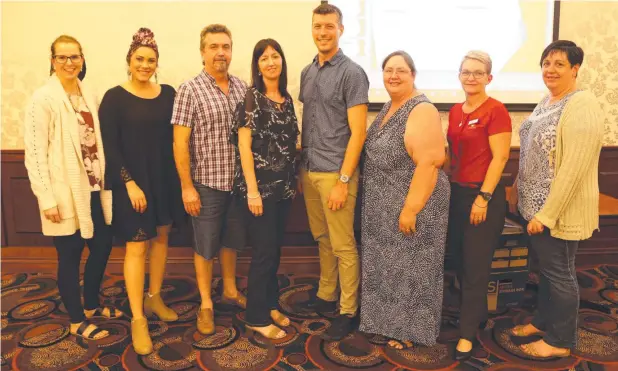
(35, 335)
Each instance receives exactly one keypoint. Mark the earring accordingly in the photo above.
(156, 78)
(259, 74)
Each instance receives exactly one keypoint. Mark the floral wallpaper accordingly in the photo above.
(594, 27)
(591, 24)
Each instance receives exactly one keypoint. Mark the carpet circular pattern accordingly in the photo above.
(42, 334)
(438, 357)
(353, 352)
(240, 355)
(223, 336)
(32, 310)
(63, 355)
(35, 332)
(501, 343)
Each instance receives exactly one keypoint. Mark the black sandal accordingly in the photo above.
(98, 313)
(92, 335)
(394, 343)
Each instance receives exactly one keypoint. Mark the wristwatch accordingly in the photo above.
(344, 178)
(486, 195)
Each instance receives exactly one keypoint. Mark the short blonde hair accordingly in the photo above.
(478, 55)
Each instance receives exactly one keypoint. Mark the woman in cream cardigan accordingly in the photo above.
(557, 192)
(65, 162)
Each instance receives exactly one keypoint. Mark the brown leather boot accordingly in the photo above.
(141, 338)
(206, 321)
(154, 304)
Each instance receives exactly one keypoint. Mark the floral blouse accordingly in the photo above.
(90, 153)
(537, 156)
(274, 128)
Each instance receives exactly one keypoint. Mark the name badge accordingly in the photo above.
(473, 122)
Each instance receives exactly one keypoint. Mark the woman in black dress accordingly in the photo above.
(135, 123)
(265, 130)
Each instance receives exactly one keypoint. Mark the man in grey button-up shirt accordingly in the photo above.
(334, 92)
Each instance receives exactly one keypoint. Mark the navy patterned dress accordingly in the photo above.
(402, 276)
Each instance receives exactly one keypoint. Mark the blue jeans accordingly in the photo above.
(558, 295)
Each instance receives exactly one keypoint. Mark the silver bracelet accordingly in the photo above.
(254, 197)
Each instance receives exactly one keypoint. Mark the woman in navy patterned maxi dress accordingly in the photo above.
(404, 214)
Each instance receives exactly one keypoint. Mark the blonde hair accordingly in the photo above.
(478, 55)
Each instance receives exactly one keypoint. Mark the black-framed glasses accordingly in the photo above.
(62, 59)
(477, 74)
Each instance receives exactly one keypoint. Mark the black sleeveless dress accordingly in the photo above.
(402, 276)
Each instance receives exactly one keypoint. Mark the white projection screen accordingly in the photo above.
(438, 33)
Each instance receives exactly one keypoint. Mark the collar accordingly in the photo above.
(334, 60)
(209, 78)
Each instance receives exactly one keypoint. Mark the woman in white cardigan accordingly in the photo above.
(557, 192)
(65, 162)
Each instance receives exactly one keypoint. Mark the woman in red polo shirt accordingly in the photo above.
(479, 137)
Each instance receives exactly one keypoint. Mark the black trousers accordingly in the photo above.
(473, 248)
(69, 250)
(265, 235)
(558, 296)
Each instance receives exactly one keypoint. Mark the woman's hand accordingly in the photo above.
(137, 197)
(52, 214)
(478, 214)
(535, 227)
(407, 221)
(255, 204)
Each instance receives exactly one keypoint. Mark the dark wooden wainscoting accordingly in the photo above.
(24, 247)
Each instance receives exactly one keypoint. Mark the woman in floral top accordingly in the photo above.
(265, 131)
(557, 192)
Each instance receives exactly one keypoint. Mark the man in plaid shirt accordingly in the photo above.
(202, 119)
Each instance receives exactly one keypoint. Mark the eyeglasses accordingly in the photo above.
(62, 59)
(477, 74)
(398, 71)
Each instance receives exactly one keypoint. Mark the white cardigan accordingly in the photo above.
(54, 161)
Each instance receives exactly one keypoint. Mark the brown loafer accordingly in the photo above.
(240, 301)
(206, 321)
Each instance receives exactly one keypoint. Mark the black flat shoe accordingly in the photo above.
(462, 356)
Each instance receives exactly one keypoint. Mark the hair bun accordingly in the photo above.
(143, 34)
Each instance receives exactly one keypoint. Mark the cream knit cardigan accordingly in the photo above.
(54, 161)
(571, 210)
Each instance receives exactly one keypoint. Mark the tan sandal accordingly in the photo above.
(140, 336)
(95, 333)
(105, 312)
(280, 319)
(399, 345)
(154, 304)
(531, 350)
(520, 331)
(206, 321)
(273, 332)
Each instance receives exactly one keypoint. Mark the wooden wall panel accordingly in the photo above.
(21, 224)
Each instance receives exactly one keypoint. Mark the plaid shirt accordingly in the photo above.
(202, 106)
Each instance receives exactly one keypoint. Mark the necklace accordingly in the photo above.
(79, 95)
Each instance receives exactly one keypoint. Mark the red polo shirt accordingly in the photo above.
(468, 138)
